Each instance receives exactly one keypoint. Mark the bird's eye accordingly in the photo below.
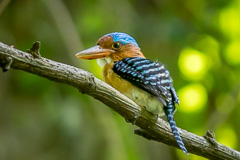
(117, 45)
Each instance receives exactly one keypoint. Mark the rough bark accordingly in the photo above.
(151, 126)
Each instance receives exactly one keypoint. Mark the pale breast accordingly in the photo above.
(139, 96)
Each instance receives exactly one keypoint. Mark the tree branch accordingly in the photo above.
(151, 127)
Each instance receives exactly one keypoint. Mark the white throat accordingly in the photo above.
(103, 61)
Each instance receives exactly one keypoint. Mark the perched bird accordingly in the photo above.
(126, 69)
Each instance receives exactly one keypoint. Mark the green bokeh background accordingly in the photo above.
(197, 40)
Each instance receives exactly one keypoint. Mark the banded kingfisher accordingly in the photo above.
(126, 69)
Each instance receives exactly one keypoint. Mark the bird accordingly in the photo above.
(147, 83)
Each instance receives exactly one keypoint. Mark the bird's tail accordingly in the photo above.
(169, 109)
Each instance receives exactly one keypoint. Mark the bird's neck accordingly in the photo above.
(103, 61)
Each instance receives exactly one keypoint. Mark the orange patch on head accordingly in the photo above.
(105, 42)
(127, 50)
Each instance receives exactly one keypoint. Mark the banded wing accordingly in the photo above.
(149, 76)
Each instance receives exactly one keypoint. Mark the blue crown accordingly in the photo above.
(123, 38)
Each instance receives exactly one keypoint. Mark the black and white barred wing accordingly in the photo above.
(155, 79)
(149, 76)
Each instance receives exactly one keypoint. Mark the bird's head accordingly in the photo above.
(114, 47)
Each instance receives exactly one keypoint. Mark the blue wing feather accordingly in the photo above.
(155, 79)
(147, 75)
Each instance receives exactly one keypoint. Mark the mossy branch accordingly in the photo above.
(151, 126)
